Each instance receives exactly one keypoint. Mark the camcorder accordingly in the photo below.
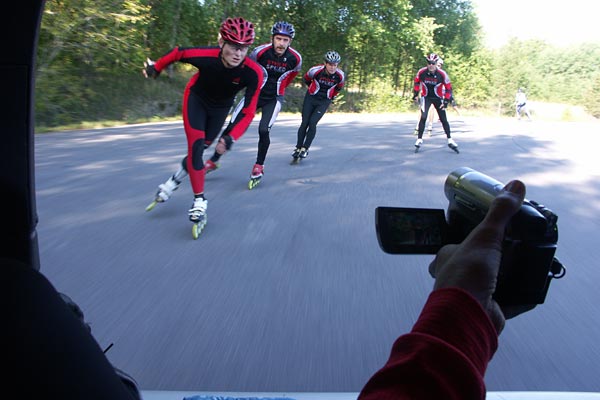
(528, 263)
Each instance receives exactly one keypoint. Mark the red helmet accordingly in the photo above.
(238, 31)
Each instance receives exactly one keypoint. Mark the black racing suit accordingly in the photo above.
(322, 89)
(435, 88)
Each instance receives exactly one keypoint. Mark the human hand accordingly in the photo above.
(224, 144)
(473, 265)
(149, 70)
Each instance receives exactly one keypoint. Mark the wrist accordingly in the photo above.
(457, 318)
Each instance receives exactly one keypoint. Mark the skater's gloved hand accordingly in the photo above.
(444, 104)
(149, 70)
(224, 144)
(280, 98)
(473, 265)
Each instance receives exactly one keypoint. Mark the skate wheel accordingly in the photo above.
(416, 149)
(197, 228)
(151, 206)
(295, 161)
(253, 183)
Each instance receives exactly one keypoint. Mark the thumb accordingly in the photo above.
(506, 204)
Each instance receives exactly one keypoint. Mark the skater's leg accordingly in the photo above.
(444, 120)
(165, 190)
(425, 105)
(307, 109)
(318, 112)
(430, 121)
(270, 111)
(202, 124)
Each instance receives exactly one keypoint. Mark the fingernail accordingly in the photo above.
(516, 187)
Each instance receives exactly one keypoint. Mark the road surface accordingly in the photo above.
(287, 288)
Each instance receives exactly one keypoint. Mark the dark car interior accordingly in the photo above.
(47, 350)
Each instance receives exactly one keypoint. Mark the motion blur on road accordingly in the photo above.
(287, 288)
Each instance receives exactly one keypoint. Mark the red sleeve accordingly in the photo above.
(169, 58)
(417, 82)
(444, 356)
(188, 55)
(289, 77)
(246, 115)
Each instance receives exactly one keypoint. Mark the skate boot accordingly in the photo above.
(418, 144)
(303, 152)
(452, 144)
(296, 156)
(210, 166)
(198, 216)
(165, 190)
(255, 177)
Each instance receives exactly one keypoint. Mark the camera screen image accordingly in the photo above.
(410, 230)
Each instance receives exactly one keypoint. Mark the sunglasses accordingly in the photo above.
(431, 62)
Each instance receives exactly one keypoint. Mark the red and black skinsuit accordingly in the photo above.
(434, 87)
(323, 87)
(281, 71)
(207, 99)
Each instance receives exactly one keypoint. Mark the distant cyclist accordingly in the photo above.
(282, 64)
(433, 84)
(325, 81)
(222, 72)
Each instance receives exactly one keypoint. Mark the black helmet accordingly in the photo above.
(332, 57)
(283, 28)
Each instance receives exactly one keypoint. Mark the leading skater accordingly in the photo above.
(222, 72)
(435, 88)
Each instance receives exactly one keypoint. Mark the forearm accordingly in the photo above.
(444, 356)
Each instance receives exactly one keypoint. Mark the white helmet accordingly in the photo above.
(332, 57)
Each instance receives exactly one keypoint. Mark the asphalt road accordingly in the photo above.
(287, 288)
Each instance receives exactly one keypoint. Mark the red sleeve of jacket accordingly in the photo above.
(190, 55)
(417, 82)
(447, 86)
(246, 115)
(444, 356)
(289, 76)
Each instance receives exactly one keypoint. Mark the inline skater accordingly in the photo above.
(282, 64)
(435, 88)
(325, 81)
(429, 124)
(521, 104)
(223, 71)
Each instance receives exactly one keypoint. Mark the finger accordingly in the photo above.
(506, 204)
(490, 232)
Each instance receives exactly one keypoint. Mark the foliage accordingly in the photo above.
(90, 55)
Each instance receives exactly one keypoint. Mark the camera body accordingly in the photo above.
(528, 264)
